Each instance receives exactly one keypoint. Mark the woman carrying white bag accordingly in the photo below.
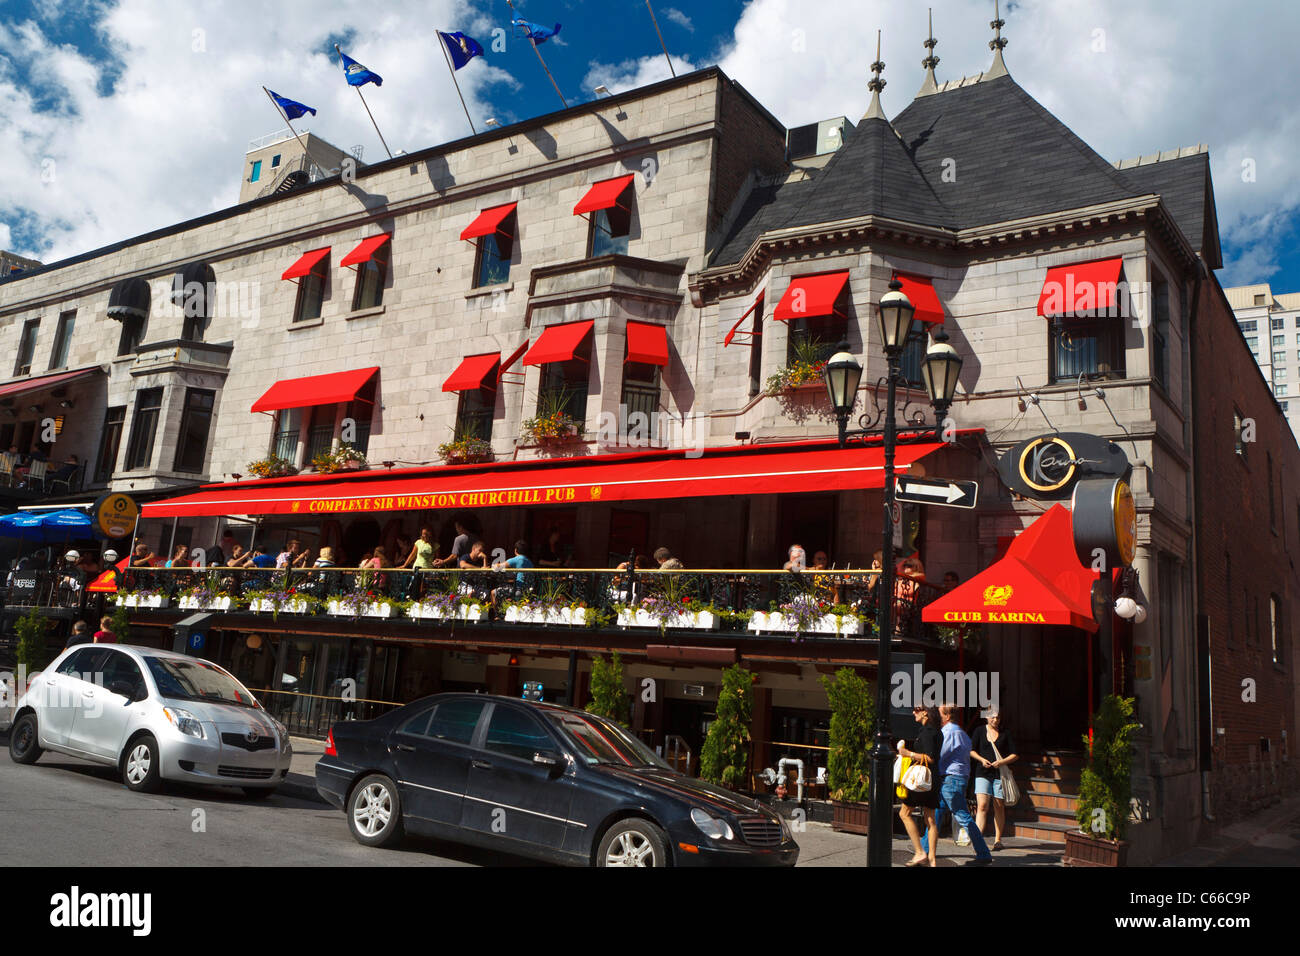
(993, 750)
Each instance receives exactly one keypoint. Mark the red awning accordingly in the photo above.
(488, 221)
(604, 194)
(45, 381)
(315, 390)
(647, 343)
(748, 312)
(306, 262)
(473, 373)
(1039, 581)
(558, 343)
(365, 250)
(1080, 289)
(920, 292)
(743, 470)
(811, 296)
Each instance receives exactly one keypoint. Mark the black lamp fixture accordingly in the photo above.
(894, 315)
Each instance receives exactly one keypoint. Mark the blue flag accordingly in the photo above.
(292, 108)
(461, 47)
(358, 75)
(535, 32)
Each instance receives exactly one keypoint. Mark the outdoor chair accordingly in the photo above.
(36, 471)
(8, 464)
(63, 476)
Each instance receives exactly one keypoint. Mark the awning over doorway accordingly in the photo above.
(807, 467)
(1039, 581)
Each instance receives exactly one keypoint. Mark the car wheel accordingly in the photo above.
(24, 744)
(375, 812)
(141, 766)
(633, 842)
(258, 793)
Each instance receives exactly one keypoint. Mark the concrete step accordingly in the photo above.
(1052, 771)
(1047, 831)
(1052, 785)
(1050, 800)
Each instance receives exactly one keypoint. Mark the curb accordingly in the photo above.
(303, 787)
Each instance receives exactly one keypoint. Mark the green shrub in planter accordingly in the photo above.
(724, 758)
(853, 719)
(608, 697)
(31, 629)
(1105, 784)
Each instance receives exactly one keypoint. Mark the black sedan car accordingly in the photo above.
(537, 780)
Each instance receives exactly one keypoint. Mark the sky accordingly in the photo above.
(122, 116)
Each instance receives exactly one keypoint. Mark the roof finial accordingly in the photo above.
(875, 85)
(999, 68)
(930, 85)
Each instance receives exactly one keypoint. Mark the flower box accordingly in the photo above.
(697, 620)
(143, 600)
(296, 606)
(570, 616)
(425, 611)
(189, 602)
(348, 609)
(846, 625)
(850, 817)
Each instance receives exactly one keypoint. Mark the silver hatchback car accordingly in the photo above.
(155, 715)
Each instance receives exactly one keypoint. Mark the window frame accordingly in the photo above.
(113, 430)
(308, 287)
(1108, 333)
(502, 253)
(371, 276)
(648, 386)
(28, 337)
(475, 408)
(142, 419)
(187, 411)
(67, 323)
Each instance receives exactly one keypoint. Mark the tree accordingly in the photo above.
(853, 718)
(724, 758)
(1105, 785)
(608, 696)
(31, 629)
(121, 626)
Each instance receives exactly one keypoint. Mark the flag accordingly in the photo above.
(358, 75)
(292, 108)
(535, 32)
(461, 47)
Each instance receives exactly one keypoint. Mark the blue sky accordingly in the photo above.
(91, 91)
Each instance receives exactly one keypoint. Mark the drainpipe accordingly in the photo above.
(1204, 721)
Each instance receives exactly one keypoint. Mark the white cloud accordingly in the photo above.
(676, 16)
(629, 74)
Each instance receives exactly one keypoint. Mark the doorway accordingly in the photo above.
(1063, 688)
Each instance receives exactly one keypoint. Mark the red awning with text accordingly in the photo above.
(314, 390)
(488, 221)
(647, 343)
(920, 292)
(1039, 581)
(474, 373)
(811, 296)
(305, 264)
(743, 470)
(603, 195)
(558, 343)
(365, 250)
(1084, 288)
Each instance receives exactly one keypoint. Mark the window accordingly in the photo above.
(1272, 509)
(1259, 300)
(63, 339)
(1160, 334)
(418, 725)
(371, 275)
(196, 421)
(133, 328)
(1279, 324)
(1284, 405)
(909, 363)
(257, 171)
(756, 350)
(120, 668)
(1279, 358)
(455, 720)
(360, 412)
(1278, 372)
(1279, 341)
(564, 388)
(516, 734)
(194, 291)
(492, 266)
(1252, 342)
(109, 443)
(474, 413)
(813, 339)
(275, 161)
(609, 230)
(1279, 390)
(1249, 326)
(284, 444)
(311, 292)
(1274, 626)
(1093, 348)
(639, 404)
(1237, 425)
(320, 437)
(139, 451)
(27, 347)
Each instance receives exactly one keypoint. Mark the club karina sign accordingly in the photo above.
(1048, 467)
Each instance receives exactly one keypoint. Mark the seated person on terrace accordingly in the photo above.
(520, 583)
(667, 562)
(797, 559)
(261, 559)
(477, 558)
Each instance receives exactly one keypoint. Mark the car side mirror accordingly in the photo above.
(123, 689)
(547, 758)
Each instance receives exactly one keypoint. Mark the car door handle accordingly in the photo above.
(481, 765)
(406, 747)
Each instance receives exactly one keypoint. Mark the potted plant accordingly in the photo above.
(275, 602)
(343, 458)
(805, 369)
(446, 607)
(552, 425)
(608, 696)
(1104, 788)
(848, 765)
(31, 653)
(724, 758)
(465, 450)
(272, 466)
(806, 615)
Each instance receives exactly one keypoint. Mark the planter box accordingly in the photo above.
(698, 620)
(149, 601)
(570, 617)
(845, 626)
(1083, 850)
(430, 612)
(266, 605)
(338, 609)
(191, 603)
(850, 817)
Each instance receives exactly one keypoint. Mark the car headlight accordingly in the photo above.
(786, 832)
(711, 827)
(280, 729)
(184, 721)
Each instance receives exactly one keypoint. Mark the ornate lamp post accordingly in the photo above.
(843, 374)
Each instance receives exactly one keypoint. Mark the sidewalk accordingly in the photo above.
(1270, 837)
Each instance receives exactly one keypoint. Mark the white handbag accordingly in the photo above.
(917, 779)
(1010, 789)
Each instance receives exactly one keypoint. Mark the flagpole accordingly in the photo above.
(368, 113)
(287, 122)
(655, 21)
(543, 62)
(442, 42)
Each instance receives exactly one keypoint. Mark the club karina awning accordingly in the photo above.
(328, 389)
(1084, 288)
(488, 221)
(604, 195)
(636, 476)
(26, 385)
(647, 343)
(305, 264)
(920, 292)
(558, 343)
(1038, 581)
(810, 297)
(474, 372)
(365, 250)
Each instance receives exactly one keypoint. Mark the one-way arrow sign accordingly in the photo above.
(936, 491)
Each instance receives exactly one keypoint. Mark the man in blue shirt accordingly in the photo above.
(953, 774)
(261, 559)
(520, 560)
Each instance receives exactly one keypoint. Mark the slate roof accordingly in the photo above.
(1185, 186)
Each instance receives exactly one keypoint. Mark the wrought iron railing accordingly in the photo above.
(312, 715)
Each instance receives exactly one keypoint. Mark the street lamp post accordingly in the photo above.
(843, 374)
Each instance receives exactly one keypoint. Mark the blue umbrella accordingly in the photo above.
(23, 526)
(59, 525)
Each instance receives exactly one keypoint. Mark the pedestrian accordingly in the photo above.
(105, 633)
(923, 749)
(80, 634)
(993, 749)
(954, 775)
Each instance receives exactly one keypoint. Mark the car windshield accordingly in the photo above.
(197, 680)
(601, 742)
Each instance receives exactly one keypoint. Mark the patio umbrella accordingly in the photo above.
(23, 526)
(61, 525)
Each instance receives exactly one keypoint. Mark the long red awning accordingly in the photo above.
(365, 250)
(1080, 289)
(811, 296)
(1039, 581)
(920, 291)
(306, 262)
(315, 390)
(558, 343)
(45, 381)
(473, 372)
(743, 470)
(603, 195)
(647, 343)
(488, 221)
